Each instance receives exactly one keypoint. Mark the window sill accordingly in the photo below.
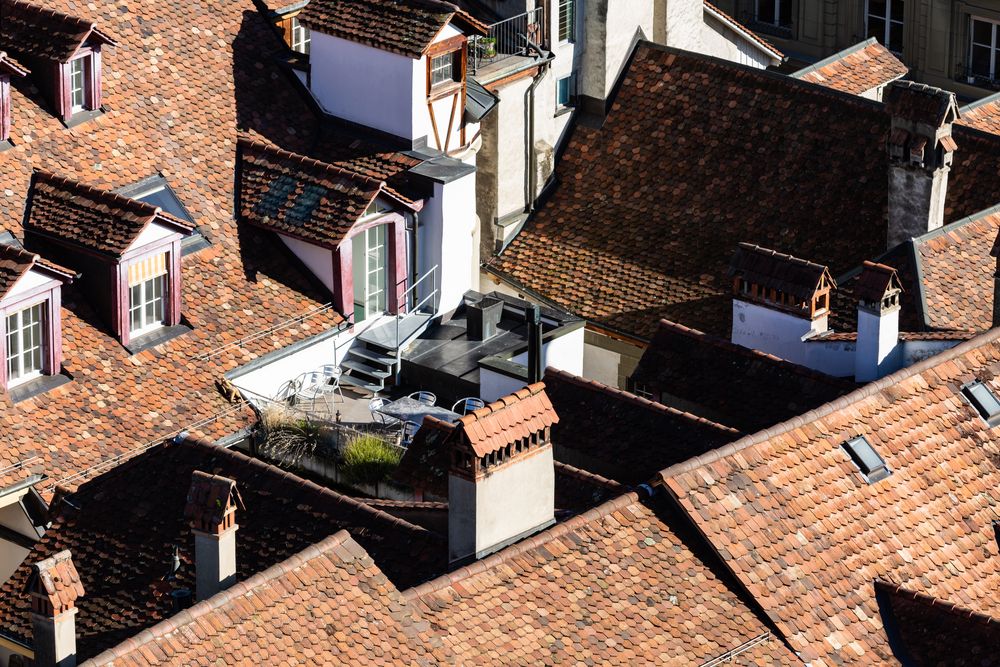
(443, 90)
(38, 386)
(157, 337)
(562, 111)
(81, 117)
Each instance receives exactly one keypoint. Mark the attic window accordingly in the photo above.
(872, 466)
(984, 401)
(377, 207)
(156, 191)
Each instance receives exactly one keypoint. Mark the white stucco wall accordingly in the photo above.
(29, 281)
(448, 227)
(510, 148)
(878, 350)
(12, 516)
(768, 330)
(516, 499)
(493, 385)
(684, 24)
(564, 353)
(601, 364)
(366, 85)
(625, 19)
(318, 260)
(721, 41)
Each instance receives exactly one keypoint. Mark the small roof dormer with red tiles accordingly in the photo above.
(128, 252)
(501, 480)
(30, 320)
(63, 51)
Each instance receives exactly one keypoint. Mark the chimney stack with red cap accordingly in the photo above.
(54, 586)
(211, 507)
(921, 150)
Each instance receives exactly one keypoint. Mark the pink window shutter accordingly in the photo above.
(4, 108)
(94, 93)
(61, 79)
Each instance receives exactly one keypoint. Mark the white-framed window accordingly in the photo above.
(147, 304)
(984, 49)
(78, 83)
(775, 12)
(565, 91)
(567, 20)
(444, 68)
(300, 37)
(26, 344)
(884, 19)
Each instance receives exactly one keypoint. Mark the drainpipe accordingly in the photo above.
(413, 253)
(529, 130)
(534, 321)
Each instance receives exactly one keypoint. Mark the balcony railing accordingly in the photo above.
(507, 38)
(974, 78)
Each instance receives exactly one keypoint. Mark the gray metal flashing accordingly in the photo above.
(24, 483)
(995, 97)
(271, 357)
(918, 269)
(479, 102)
(438, 167)
(8, 238)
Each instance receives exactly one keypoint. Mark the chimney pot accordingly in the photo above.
(877, 351)
(211, 507)
(54, 586)
(483, 318)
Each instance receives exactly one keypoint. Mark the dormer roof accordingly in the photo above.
(85, 216)
(212, 502)
(40, 32)
(876, 282)
(11, 67)
(857, 69)
(774, 270)
(311, 200)
(15, 263)
(406, 27)
(920, 103)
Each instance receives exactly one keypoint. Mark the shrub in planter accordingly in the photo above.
(368, 459)
(287, 436)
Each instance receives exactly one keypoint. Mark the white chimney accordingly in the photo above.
(921, 150)
(877, 353)
(779, 301)
(211, 507)
(501, 483)
(54, 586)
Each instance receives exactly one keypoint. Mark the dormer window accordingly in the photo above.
(444, 69)
(147, 294)
(79, 94)
(26, 344)
(300, 37)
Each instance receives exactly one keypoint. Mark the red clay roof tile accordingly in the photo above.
(857, 69)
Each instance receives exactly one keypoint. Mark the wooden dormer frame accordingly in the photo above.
(457, 91)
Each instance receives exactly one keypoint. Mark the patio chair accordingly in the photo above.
(409, 430)
(287, 391)
(332, 373)
(466, 405)
(425, 397)
(374, 406)
(310, 388)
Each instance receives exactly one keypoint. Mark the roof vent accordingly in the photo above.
(872, 466)
(483, 318)
(984, 401)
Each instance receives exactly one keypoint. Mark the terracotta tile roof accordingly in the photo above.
(982, 115)
(875, 280)
(652, 168)
(506, 421)
(406, 27)
(856, 69)
(622, 436)
(328, 604)
(777, 271)
(15, 263)
(556, 597)
(92, 218)
(795, 521)
(37, 31)
(122, 528)
(926, 631)
(54, 584)
(744, 31)
(295, 195)
(730, 384)
(174, 104)
(212, 501)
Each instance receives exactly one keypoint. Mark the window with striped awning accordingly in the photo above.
(150, 267)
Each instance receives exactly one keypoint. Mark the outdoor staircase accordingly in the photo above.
(373, 361)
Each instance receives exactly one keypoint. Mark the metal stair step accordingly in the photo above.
(365, 369)
(372, 355)
(361, 383)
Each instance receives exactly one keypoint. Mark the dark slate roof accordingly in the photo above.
(621, 436)
(479, 102)
(777, 271)
(15, 262)
(857, 69)
(924, 630)
(730, 384)
(89, 217)
(122, 527)
(35, 31)
(305, 198)
(406, 27)
(698, 154)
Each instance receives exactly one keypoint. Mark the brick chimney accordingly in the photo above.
(778, 301)
(501, 481)
(54, 585)
(921, 150)
(877, 353)
(211, 507)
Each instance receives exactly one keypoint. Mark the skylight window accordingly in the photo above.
(984, 401)
(872, 466)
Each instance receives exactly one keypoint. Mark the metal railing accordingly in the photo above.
(507, 38)
(432, 297)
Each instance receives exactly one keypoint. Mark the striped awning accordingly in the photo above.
(144, 269)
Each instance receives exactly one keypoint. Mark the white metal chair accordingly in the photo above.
(332, 373)
(409, 430)
(310, 387)
(425, 397)
(287, 390)
(464, 406)
(375, 405)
